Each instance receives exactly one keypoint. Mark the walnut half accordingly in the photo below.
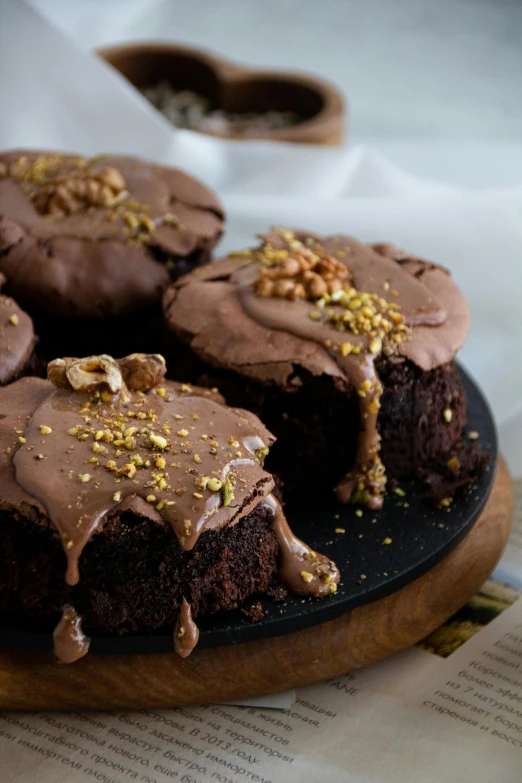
(136, 372)
(142, 371)
(87, 374)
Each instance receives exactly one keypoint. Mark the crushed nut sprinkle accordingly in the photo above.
(302, 273)
(158, 440)
(14, 320)
(45, 430)
(447, 415)
(454, 465)
(228, 493)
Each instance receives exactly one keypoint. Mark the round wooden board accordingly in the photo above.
(35, 681)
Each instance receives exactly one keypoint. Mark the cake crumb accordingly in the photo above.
(255, 613)
(387, 540)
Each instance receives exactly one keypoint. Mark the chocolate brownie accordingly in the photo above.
(345, 351)
(130, 504)
(17, 339)
(88, 245)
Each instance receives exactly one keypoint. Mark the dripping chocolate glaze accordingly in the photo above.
(51, 465)
(69, 641)
(202, 439)
(186, 632)
(302, 570)
(274, 334)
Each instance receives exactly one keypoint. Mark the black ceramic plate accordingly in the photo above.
(420, 534)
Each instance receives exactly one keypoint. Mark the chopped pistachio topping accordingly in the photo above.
(228, 493)
(158, 441)
(454, 465)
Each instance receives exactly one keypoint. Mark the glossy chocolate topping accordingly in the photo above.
(378, 304)
(83, 237)
(302, 570)
(198, 464)
(69, 641)
(69, 455)
(186, 632)
(17, 339)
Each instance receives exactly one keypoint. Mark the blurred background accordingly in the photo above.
(434, 84)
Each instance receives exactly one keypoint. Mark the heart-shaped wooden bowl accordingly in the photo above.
(237, 89)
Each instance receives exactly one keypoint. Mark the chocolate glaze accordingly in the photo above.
(186, 632)
(77, 505)
(302, 570)
(91, 263)
(185, 440)
(69, 641)
(17, 339)
(274, 334)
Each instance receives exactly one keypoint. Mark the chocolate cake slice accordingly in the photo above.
(130, 504)
(88, 245)
(344, 350)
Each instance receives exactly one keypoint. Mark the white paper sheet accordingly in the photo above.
(373, 725)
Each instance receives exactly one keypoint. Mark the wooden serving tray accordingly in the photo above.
(237, 88)
(363, 636)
